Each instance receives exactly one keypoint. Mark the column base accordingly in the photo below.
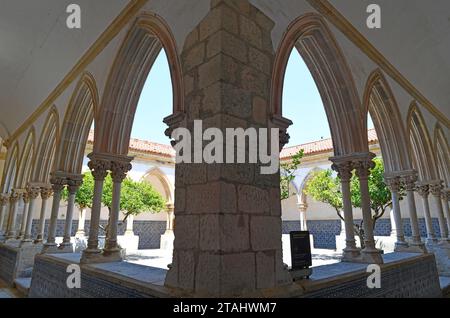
(416, 247)
(113, 255)
(80, 235)
(50, 248)
(65, 248)
(431, 240)
(351, 255)
(99, 256)
(39, 239)
(371, 256)
(26, 243)
(12, 242)
(401, 246)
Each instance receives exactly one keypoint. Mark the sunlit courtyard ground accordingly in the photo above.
(160, 258)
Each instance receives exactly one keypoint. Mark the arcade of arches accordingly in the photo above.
(227, 63)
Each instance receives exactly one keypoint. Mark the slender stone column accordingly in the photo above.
(58, 183)
(410, 186)
(445, 197)
(170, 217)
(72, 186)
(119, 171)
(129, 226)
(33, 193)
(344, 170)
(436, 191)
(14, 206)
(302, 209)
(394, 186)
(369, 253)
(99, 168)
(81, 222)
(424, 190)
(26, 202)
(46, 193)
(4, 199)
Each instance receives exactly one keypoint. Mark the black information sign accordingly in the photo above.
(300, 250)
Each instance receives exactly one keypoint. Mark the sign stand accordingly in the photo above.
(300, 255)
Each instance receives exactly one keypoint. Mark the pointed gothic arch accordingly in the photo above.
(380, 103)
(421, 149)
(143, 43)
(310, 35)
(10, 171)
(441, 148)
(26, 160)
(165, 182)
(47, 148)
(83, 106)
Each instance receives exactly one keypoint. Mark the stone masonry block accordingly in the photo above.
(235, 233)
(180, 200)
(265, 233)
(227, 43)
(193, 57)
(186, 232)
(252, 199)
(210, 229)
(259, 60)
(238, 273)
(250, 31)
(214, 197)
(220, 17)
(219, 68)
(186, 270)
(265, 270)
(208, 278)
(275, 201)
(190, 173)
(260, 110)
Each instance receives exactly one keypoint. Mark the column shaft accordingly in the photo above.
(46, 193)
(436, 189)
(57, 186)
(423, 191)
(14, 206)
(81, 223)
(26, 201)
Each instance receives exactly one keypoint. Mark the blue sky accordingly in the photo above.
(301, 103)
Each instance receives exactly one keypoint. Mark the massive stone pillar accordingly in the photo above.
(58, 184)
(12, 220)
(394, 185)
(409, 181)
(119, 170)
(33, 193)
(99, 166)
(344, 169)
(23, 223)
(436, 191)
(4, 200)
(423, 190)
(363, 165)
(46, 193)
(228, 216)
(73, 184)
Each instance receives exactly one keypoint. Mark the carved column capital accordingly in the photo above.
(423, 190)
(436, 188)
(282, 124)
(33, 192)
(26, 197)
(99, 168)
(119, 170)
(173, 122)
(445, 195)
(302, 207)
(343, 169)
(46, 193)
(4, 199)
(393, 183)
(363, 167)
(14, 197)
(409, 181)
(73, 185)
(58, 183)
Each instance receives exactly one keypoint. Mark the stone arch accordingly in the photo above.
(422, 154)
(26, 160)
(78, 120)
(441, 149)
(11, 166)
(310, 35)
(165, 182)
(302, 197)
(380, 103)
(147, 36)
(47, 148)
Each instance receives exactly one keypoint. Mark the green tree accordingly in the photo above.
(135, 197)
(325, 187)
(84, 195)
(287, 173)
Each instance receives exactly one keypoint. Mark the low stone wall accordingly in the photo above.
(403, 275)
(16, 262)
